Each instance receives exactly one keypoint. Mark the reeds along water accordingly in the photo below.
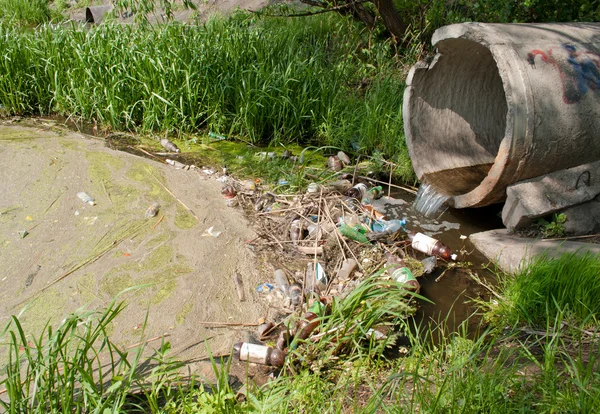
(429, 200)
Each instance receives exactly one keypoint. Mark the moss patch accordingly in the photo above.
(184, 219)
(183, 313)
(113, 283)
(102, 165)
(151, 178)
(47, 306)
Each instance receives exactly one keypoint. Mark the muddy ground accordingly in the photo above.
(76, 255)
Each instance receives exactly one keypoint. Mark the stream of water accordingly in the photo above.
(429, 201)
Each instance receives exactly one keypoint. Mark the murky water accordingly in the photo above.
(429, 201)
(450, 290)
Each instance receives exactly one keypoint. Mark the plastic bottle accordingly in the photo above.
(372, 194)
(358, 191)
(334, 163)
(347, 268)
(216, 137)
(344, 158)
(169, 146)
(430, 246)
(295, 292)
(86, 198)
(296, 231)
(152, 210)
(353, 234)
(259, 354)
(402, 274)
(282, 283)
(390, 226)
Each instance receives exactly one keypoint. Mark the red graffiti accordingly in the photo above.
(579, 71)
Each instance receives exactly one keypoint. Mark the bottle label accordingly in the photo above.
(253, 353)
(403, 275)
(424, 243)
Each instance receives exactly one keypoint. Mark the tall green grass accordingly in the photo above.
(545, 288)
(311, 80)
(24, 12)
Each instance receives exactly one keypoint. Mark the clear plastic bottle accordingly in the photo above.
(372, 194)
(86, 198)
(282, 283)
(295, 292)
(169, 146)
(259, 354)
(358, 191)
(430, 246)
(344, 158)
(346, 270)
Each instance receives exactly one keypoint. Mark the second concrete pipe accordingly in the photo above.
(500, 103)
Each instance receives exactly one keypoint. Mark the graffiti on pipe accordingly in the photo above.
(579, 70)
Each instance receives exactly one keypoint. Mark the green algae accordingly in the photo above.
(151, 178)
(184, 219)
(165, 290)
(46, 307)
(86, 285)
(161, 238)
(183, 313)
(102, 165)
(113, 283)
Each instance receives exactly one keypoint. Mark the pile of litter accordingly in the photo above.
(328, 244)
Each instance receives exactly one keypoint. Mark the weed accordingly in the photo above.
(554, 228)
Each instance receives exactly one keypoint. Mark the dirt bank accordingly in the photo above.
(75, 254)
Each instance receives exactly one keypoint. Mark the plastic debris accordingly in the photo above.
(152, 210)
(343, 157)
(178, 165)
(23, 233)
(86, 198)
(211, 232)
(429, 264)
(228, 191)
(265, 288)
(216, 137)
(334, 163)
(169, 146)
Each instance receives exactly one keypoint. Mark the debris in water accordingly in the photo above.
(429, 264)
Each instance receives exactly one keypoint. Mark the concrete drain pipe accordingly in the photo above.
(500, 103)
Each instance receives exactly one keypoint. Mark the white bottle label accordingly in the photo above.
(253, 353)
(423, 243)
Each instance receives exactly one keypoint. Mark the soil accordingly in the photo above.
(167, 268)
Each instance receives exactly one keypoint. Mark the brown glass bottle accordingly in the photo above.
(259, 354)
(429, 245)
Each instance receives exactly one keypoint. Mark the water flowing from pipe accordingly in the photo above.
(429, 200)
